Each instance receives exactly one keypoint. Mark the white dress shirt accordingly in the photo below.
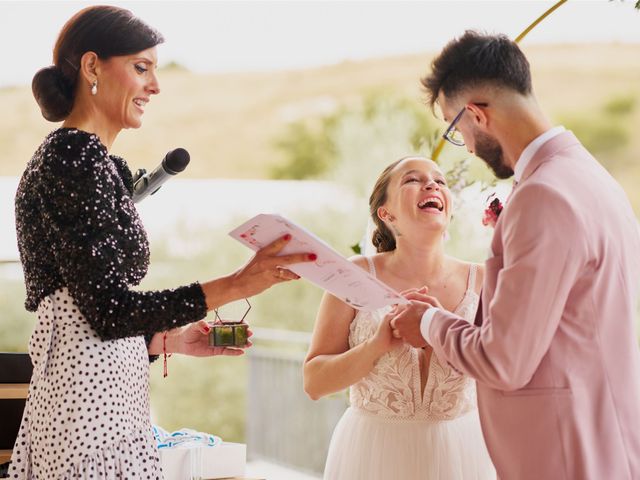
(531, 149)
(524, 159)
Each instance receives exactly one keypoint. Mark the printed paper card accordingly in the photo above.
(331, 271)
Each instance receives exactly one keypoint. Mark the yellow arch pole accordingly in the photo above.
(436, 151)
(538, 20)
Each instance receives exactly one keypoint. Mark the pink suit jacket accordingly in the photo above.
(556, 357)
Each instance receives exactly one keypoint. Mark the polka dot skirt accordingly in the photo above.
(87, 414)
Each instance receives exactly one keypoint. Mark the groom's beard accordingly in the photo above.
(489, 150)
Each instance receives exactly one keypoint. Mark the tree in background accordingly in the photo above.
(353, 145)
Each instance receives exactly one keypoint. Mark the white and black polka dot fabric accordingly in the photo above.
(87, 415)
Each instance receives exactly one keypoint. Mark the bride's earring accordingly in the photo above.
(94, 88)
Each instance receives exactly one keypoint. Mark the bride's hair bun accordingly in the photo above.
(53, 93)
(383, 239)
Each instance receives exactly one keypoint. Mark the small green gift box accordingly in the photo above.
(230, 333)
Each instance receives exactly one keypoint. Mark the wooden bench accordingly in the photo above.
(14, 367)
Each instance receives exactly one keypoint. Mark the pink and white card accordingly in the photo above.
(331, 271)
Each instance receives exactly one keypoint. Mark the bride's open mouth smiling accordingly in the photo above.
(431, 204)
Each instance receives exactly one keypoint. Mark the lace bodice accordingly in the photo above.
(392, 388)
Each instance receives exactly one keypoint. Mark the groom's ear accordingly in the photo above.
(479, 114)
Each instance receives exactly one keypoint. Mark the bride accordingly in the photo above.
(410, 416)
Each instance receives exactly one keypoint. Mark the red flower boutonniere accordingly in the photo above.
(492, 212)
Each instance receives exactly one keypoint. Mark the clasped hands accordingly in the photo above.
(404, 320)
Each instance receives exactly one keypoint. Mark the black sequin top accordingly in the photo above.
(78, 228)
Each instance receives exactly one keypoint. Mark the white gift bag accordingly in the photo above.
(199, 462)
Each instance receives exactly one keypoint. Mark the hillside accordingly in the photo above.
(229, 122)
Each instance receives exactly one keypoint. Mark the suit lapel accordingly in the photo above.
(547, 151)
(544, 154)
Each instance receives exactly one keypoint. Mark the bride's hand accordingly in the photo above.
(421, 295)
(383, 340)
(193, 340)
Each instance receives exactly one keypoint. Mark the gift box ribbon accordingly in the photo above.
(184, 437)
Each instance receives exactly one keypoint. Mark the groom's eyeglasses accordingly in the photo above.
(452, 134)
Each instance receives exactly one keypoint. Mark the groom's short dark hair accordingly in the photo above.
(474, 59)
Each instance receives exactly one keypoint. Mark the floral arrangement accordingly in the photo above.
(492, 212)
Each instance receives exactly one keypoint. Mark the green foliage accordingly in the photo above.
(637, 5)
(370, 137)
(607, 133)
(598, 135)
(173, 66)
(206, 394)
(620, 106)
(381, 129)
(309, 150)
(353, 145)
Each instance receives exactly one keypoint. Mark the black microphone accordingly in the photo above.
(173, 163)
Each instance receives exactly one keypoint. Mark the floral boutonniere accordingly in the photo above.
(492, 212)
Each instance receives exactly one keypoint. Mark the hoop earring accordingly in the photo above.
(94, 88)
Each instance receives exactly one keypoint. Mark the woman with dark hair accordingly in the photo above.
(411, 417)
(83, 246)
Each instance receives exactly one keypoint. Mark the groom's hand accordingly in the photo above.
(406, 322)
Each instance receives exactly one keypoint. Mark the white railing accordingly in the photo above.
(283, 424)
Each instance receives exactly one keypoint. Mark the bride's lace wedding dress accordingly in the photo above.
(395, 431)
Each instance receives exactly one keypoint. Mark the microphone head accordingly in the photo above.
(176, 161)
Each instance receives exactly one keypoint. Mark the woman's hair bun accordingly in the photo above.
(53, 93)
(383, 239)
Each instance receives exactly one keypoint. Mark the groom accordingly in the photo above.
(554, 349)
